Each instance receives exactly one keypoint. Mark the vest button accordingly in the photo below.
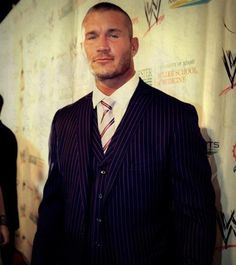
(98, 244)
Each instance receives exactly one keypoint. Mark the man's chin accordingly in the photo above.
(104, 76)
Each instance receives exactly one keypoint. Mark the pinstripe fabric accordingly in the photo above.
(147, 201)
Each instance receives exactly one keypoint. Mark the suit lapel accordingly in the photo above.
(85, 113)
(129, 124)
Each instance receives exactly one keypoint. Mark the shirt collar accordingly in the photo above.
(121, 96)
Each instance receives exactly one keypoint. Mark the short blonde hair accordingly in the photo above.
(106, 6)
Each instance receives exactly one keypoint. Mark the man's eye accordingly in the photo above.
(115, 36)
(90, 37)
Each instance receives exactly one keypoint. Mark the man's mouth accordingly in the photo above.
(103, 59)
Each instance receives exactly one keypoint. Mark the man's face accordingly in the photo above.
(108, 44)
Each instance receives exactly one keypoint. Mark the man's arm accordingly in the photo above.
(49, 235)
(193, 194)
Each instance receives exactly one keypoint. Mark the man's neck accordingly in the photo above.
(109, 86)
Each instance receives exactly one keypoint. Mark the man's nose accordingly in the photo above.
(103, 44)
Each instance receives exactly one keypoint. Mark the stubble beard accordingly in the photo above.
(120, 70)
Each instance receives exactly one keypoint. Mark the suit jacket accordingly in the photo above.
(148, 201)
(8, 157)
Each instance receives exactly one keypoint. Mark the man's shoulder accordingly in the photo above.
(169, 106)
(161, 96)
(74, 108)
(84, 101)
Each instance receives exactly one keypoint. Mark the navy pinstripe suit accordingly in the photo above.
(148, 201)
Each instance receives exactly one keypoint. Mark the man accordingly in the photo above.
(8, 173)
(140, 197)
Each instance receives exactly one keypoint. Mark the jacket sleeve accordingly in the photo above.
(49, 235)
(193, 194)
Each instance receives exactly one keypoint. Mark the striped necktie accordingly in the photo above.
(107, 126)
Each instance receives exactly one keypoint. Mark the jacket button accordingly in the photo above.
(103, 172)
(99, 220)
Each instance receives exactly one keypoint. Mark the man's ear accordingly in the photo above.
(134, 45)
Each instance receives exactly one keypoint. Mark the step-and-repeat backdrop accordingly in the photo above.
(187, 49)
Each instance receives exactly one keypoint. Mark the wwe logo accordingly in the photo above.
(227, 227)
(230, 66)
(152, 9)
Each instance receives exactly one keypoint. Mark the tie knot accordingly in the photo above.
(107, 104)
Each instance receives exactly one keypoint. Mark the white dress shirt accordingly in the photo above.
(121, 97)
